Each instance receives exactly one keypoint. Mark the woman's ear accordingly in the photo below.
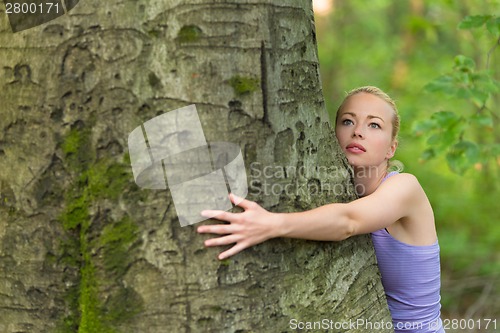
(392, 149)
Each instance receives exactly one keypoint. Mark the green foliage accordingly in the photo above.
(462, 155)
(418, 48)
(446, 131)
(474, 21)
(492, 23)
(466, 82)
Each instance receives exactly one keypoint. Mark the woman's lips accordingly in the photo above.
(355, 148)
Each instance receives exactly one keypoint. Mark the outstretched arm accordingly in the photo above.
(332, 222)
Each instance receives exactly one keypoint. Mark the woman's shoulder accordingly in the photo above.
(403, 182)
(402, 177)
(416, 224)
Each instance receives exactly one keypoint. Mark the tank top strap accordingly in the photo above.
(390, 174)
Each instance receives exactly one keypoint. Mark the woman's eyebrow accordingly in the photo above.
(369, 116)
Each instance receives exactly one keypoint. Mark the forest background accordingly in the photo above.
(440, 61)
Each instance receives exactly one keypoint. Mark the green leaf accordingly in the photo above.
(443, 139)
(434, 139)
(457, 163)
(479, 95)
(423, 126)
(445, 118)
(482, 87)
(473, 21)
(464, 93)
(443, 84)
(449, 126)
(470, 149)
(493, 26)
(464, 63)
(462, 78)
(428, 154)
(449, 136)
(484, 81)
(462, 156)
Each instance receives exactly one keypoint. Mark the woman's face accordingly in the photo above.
(364, 130)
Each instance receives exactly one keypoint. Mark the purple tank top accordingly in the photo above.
(411, 279)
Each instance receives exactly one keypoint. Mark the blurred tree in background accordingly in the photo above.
(440, 61)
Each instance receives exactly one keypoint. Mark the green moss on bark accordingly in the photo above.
(243, 85)
(189, 34)
(94, 181)
(154, 81)
(75, 149)
(115, 240)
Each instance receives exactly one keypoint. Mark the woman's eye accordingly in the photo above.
(347, 122)
(374, 125)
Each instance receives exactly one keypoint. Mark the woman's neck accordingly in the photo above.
(367, 179)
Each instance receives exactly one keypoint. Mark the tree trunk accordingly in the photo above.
(84, 249)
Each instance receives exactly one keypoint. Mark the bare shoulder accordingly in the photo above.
(402, 182)
(403, 189)
(416, 224)
(404, 176)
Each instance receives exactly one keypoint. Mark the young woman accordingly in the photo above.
(392, 207)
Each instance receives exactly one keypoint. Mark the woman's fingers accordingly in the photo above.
(224, 240)
(241, 202)
(219, 229)
(219, 215)
(232, 251)
(233, 232)
(227, 216)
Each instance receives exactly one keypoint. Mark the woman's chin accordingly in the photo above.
(358, 165)
(354, 162)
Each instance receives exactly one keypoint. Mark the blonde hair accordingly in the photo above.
(393, 165)
(381, 94)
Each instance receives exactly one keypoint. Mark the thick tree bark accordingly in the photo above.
(83, 249)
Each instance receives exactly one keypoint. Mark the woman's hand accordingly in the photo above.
(253, 226)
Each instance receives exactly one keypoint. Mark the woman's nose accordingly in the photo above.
(358, 132)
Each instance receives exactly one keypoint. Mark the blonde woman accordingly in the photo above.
(392, 207)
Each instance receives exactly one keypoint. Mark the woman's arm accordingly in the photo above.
(395, 199)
